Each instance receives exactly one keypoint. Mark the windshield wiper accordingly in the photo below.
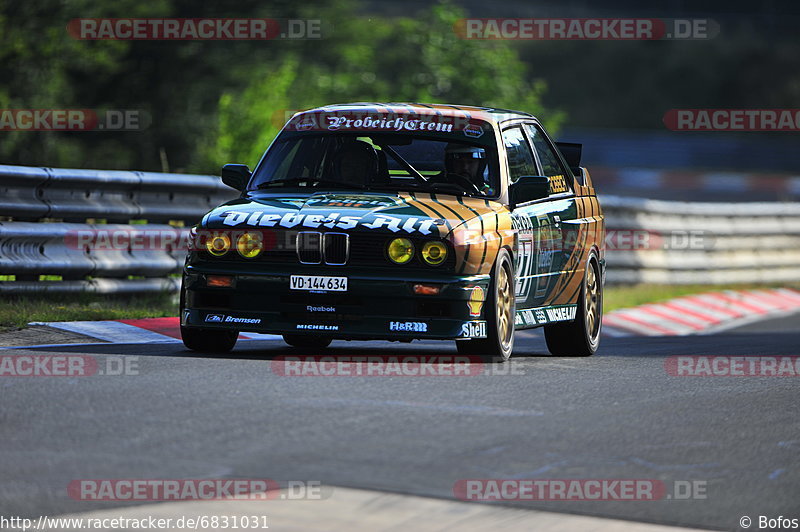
(309, 180)
(437, 186)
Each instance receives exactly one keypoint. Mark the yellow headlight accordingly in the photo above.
(218, 244)
(434, 252)
(249, 245)
(401, 250)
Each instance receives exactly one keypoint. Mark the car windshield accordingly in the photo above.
(450, 163)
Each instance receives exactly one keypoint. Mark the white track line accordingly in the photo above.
(354, 510)
(111, 331)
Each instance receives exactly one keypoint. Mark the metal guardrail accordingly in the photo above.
(73, 251)
(31, 194)
(47, 210)
(721, 242)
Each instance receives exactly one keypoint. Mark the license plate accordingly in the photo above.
(318, 282)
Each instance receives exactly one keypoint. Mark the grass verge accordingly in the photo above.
(17, 311)
(616, 297)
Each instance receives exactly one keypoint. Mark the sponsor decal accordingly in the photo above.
(231, 319)
(408, 326)
(548, 247)
(525, 258)
(475, 302)
(333, 220)
(473, 131)
(473, 329)
(311, 308)
(315, 327)
(353, 200)
(222, 318)
(399, 120)
(558, 183)
(395, 124)
(561, 313)
(542, 316)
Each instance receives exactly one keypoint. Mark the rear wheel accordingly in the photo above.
(296, 340)
(500, 307)
(581, 337)
(208, 340)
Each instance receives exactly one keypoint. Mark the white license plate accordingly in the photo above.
(318, 282)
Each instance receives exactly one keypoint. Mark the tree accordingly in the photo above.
(374, 59)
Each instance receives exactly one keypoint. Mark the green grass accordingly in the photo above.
(616, 297)
(17, 311)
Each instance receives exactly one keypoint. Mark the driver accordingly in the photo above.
(468, 162)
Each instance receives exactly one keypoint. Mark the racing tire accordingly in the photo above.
(208, 340)
(580, 337)
(309, 342)
(500, 308)
(205, 340)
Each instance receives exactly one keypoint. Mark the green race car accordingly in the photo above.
(400, 222)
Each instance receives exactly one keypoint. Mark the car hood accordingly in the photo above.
(395, 213)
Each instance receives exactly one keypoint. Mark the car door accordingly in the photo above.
(563, 236)
(534, 224)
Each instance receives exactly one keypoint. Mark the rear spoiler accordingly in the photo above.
(572, 154)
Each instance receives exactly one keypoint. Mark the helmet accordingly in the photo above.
(455, 152)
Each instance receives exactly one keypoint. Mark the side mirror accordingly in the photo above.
(529, 188)
(236, 175)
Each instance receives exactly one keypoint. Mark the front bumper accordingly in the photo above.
(377, 304)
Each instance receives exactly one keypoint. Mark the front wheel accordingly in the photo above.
(500, 308)
(580, 337)
(208, 340)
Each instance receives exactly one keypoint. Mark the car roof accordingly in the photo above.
(487, 114)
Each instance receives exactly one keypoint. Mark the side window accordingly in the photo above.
(551, 165)
(520, 157)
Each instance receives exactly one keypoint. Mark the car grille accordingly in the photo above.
(309, 247)
(335, 248)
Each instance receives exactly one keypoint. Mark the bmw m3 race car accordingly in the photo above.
(398, 222)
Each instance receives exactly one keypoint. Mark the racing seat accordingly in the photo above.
(356, 163)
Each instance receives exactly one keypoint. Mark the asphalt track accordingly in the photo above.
(617, 415)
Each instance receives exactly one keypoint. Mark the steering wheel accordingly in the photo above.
(465, 183)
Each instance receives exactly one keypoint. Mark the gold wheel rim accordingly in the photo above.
(504, 307)
(592, 302)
